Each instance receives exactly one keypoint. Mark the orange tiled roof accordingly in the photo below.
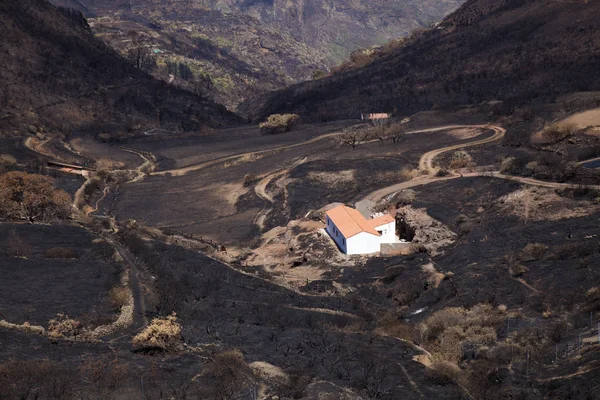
(384, 219)
(351, 222)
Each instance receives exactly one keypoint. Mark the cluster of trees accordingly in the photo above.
(384, 131)
(278, 123)
(32, 197)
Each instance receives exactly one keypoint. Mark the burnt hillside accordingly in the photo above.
(235, 50)
(514, 50)
(55, 76)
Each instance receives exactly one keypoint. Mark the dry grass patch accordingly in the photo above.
(119, 296)
(333, 179)
(556, 132)
(162, 334)
(448, 332)
(106, 165)
(64, 327)
(7, 159)
(533, 251)
(278, 123)
(460, 159)
(519, 270)
(388, 324)
(244, 159)
(25, 327)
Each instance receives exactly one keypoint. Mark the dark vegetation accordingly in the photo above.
(508, 50)
(278, 123)
(57, 78)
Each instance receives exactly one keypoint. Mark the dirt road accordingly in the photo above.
(426, 161)
(205, 164)
(261, 191)
(365, 206)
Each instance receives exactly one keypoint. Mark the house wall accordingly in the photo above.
(363, 243)
(336, 235)
(388, 232)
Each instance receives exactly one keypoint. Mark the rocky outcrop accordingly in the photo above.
(429, 232)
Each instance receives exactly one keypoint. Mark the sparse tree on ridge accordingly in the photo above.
(139, 53)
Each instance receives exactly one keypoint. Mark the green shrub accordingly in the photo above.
(460, 159)
(519, 270)
(278, 123)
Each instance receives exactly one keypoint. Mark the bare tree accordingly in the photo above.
(396, 132)
(139, 53)
(36, 379)
(105, 376)
(353, 137)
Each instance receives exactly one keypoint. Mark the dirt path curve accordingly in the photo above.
(426, 164)
(136, 275)
(261, 191)
(97, 205)
(149, 164)
(426, 161)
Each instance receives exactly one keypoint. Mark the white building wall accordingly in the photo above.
(336, 235)
(388, 232)
(363, 243)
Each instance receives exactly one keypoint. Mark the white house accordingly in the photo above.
(375, 116)
(354, 234)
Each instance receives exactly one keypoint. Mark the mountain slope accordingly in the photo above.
(56, 76)
(236, 48)
(514, 50)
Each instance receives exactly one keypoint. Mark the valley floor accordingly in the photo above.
(225, 230)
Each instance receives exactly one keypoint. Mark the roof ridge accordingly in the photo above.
(352, 222)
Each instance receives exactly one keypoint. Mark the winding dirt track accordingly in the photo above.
(261, 191)
(426, 164)
(426, 161)
(196, 167)
(205, 164)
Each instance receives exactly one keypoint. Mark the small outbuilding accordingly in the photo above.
(355, 234)
(375, 116)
